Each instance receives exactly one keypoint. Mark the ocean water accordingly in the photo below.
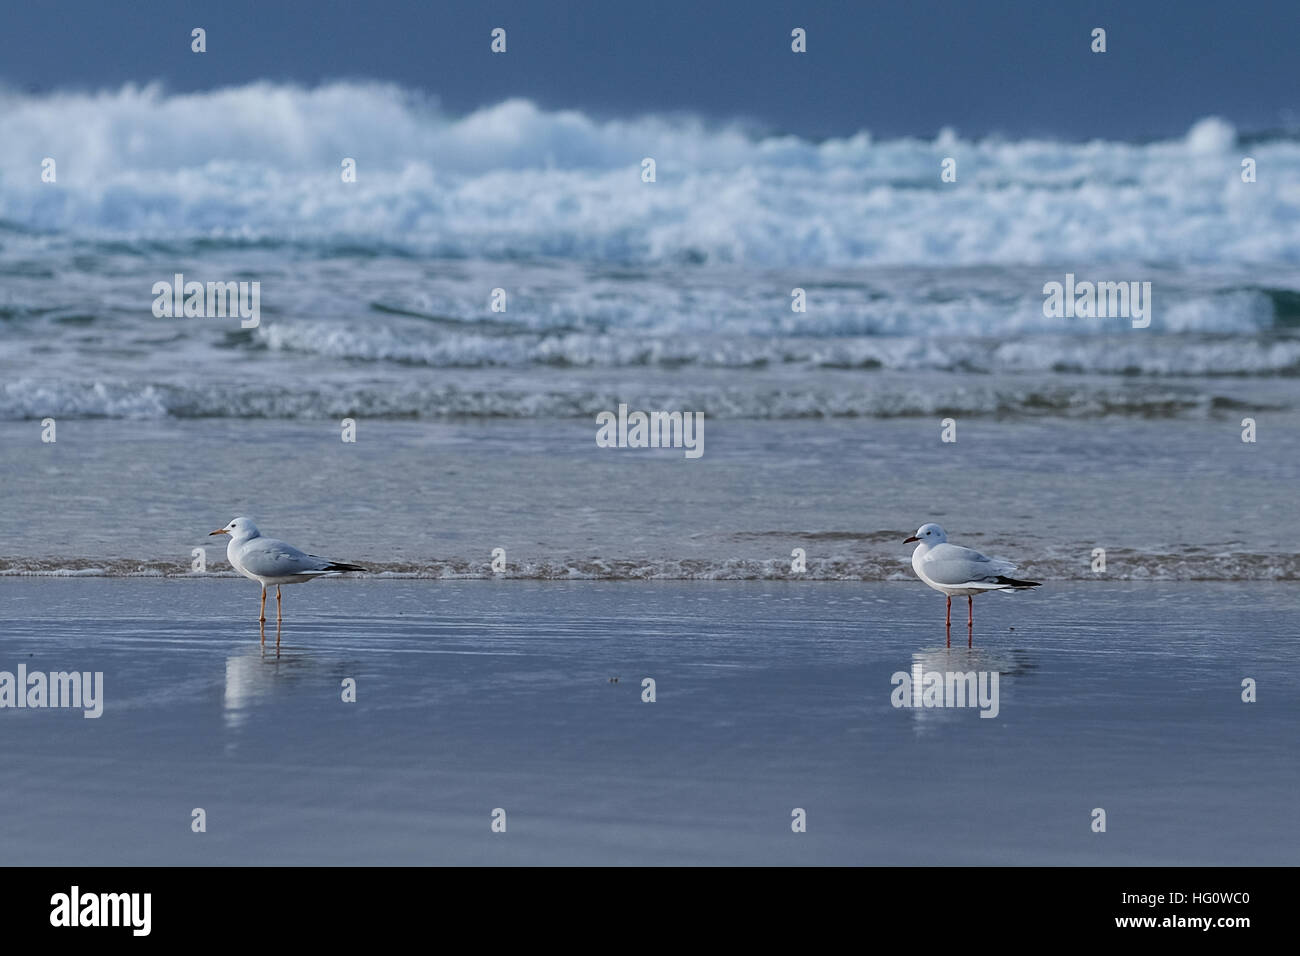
(476, 430)
(924, 303)
(1172, 499)
(375, 295)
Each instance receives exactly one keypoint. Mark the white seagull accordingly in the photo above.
(953, 569)
(268, 561)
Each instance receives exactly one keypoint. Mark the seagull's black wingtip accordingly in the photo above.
(1013, 583)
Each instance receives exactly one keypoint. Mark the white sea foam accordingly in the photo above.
(848, 395)
(1127, 566)
(374, 294)
(262, 160)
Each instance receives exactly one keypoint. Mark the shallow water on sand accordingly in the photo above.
(1178, 500)
(770, 696)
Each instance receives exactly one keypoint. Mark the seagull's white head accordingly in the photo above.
(239, 529)
(930, 534)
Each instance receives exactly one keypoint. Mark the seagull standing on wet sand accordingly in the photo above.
(268, 561)
(953, 569)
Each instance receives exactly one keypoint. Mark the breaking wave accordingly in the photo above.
(260, 163)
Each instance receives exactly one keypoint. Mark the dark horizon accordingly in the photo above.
(893, 72)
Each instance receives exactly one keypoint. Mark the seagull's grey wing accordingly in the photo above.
(270, 558)
(952, 565)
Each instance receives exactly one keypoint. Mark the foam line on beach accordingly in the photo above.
(1123, 565)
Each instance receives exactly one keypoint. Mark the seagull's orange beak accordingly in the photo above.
(218, 531)
(905, 540)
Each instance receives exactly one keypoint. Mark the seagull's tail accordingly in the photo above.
(337, 566)
(1016, 585)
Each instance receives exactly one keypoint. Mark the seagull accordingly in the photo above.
(953, 569)
(268, 561)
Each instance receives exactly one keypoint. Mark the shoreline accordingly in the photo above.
(439, 501)
(769, 572)
(472, 696)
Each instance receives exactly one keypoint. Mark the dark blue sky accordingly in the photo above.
(899, 67)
